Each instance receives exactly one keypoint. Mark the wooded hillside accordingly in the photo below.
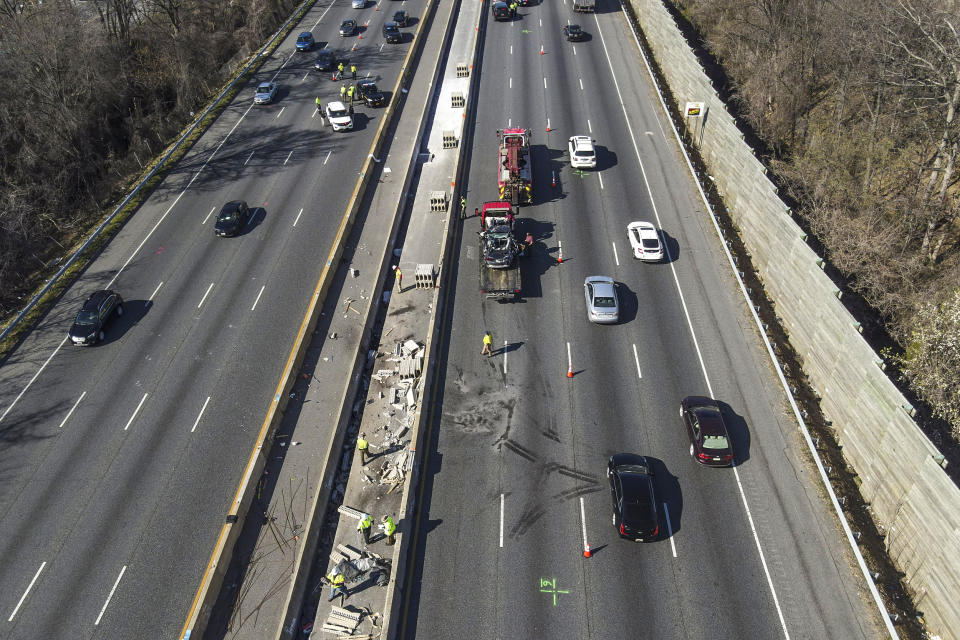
(857, 106)
(92, 91)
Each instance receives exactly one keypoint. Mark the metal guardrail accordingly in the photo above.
(160, 166)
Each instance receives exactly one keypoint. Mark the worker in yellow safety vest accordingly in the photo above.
(389, 528)
(337, 585)
(366, 522)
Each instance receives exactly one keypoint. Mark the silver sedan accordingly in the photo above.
(601, 296)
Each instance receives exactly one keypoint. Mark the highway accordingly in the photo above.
(118, 462)
(518, 448)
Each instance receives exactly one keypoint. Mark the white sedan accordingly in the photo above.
(645, 241)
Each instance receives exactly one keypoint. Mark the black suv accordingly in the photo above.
(391, 33)
(400, 17)
(574, 33)
(368, 92)
(326, 60)
(97, 311)
(232, 218)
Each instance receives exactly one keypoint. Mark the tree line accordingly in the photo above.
(857, 104)
(92, 91)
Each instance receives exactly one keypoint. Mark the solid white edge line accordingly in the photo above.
(110, 595)
(200, 415)
(703, 368)
(583, 524)
(35, 376)
(214, 208)
(666, 512)
(636, 359)
(616, 258)
(154, 294)
(878, 601)
(501, 521)
(136, 411)
(205, 295)
(27, 592)
(72, 409)
(258, 298)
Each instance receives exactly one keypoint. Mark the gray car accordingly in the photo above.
(266, 92)
(601, 295)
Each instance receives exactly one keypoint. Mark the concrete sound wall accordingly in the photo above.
(914, 502)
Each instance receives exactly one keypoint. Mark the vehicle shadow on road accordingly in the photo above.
(606, 159)
(538, 260)
(629, 304)
(133, 312)
(666, 487)
(738, 431)
(671, 247)
(547, 164)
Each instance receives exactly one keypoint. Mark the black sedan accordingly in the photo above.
(97, 311)
(709, 441)
(326, 60)
(574, 33)
(348, 28)
(368, 92)
(634, 504)
(232, 218)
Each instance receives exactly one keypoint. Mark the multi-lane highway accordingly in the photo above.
(519, 449)
(118, 462)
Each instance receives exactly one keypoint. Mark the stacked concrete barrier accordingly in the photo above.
(914, 503)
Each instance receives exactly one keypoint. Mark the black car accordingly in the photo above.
(634, 504)
(574, 33)
(368, 92)
(501, 11)
(400, 17)
(709, 441)
(348, 28)
(100, 307)
(391, 33)
(232, 218)
(326, 60)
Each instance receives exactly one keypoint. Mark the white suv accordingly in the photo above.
(582, 153)
(339, 116)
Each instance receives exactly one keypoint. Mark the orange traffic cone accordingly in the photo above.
(541, 49)
(570, 371)
(586, 551)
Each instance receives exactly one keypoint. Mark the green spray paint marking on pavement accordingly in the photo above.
(580, 173)
(549, 585)
(525, 31)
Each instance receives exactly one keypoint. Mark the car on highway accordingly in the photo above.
(574, 33)
(358, 4)
(92, 319)
(582, 153)
(709, 441)
(391, 33)
(305, 41)
(348, 28)
(601, 296)
(326, 60)
(368, 92)
(645, 241)
(634, 501)
(400, 17)
(232, 218)
(339, 116)
(266, 92)
(501, 11)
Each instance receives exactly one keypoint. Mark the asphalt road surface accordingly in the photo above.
(519, 450)
(118, 462)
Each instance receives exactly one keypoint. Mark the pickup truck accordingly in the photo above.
(584, 6)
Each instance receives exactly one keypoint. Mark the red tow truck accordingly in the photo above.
(514, 169)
